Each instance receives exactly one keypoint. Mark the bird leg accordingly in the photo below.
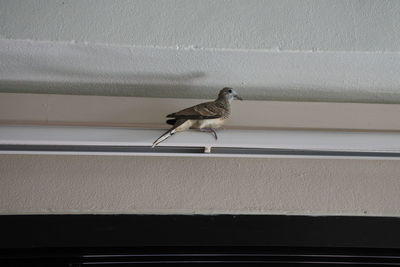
(210, 130)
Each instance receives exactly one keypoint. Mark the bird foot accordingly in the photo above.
(210, 130)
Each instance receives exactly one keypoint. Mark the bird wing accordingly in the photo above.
(208, 110)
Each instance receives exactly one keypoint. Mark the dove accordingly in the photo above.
(205, 117)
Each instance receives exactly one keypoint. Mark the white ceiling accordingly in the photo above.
(294, 25)
(345, 51)
(65, 68)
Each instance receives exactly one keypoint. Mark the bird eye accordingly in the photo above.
(230, 91)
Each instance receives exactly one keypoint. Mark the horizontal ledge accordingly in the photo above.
(188, 151)
(106, 111)
(231, 143)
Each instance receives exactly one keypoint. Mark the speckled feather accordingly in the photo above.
(219, 108)
(209, 115)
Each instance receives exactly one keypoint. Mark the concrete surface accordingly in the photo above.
(279, 49)
(308, 50)
(65, 68)
(101, 184)
(340, 25)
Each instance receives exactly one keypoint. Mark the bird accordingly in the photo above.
(205, 116)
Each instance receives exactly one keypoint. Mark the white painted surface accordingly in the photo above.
(344, 25)
(308, 50)
(139, 112)
(277, 139)
(101, 184)
(267, 49)
(66, 68)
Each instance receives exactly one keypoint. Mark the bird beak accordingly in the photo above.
(238, 97)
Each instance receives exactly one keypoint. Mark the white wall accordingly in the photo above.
(101, 184)
(339, 25)
(328, 50)
(307, 50)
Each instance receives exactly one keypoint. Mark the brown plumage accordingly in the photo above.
(205, 116)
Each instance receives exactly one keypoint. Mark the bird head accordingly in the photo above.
(228, 94)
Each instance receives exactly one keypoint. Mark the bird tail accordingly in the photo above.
(167, 134)
(163, 137)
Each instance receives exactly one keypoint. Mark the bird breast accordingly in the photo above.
(211, 123)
